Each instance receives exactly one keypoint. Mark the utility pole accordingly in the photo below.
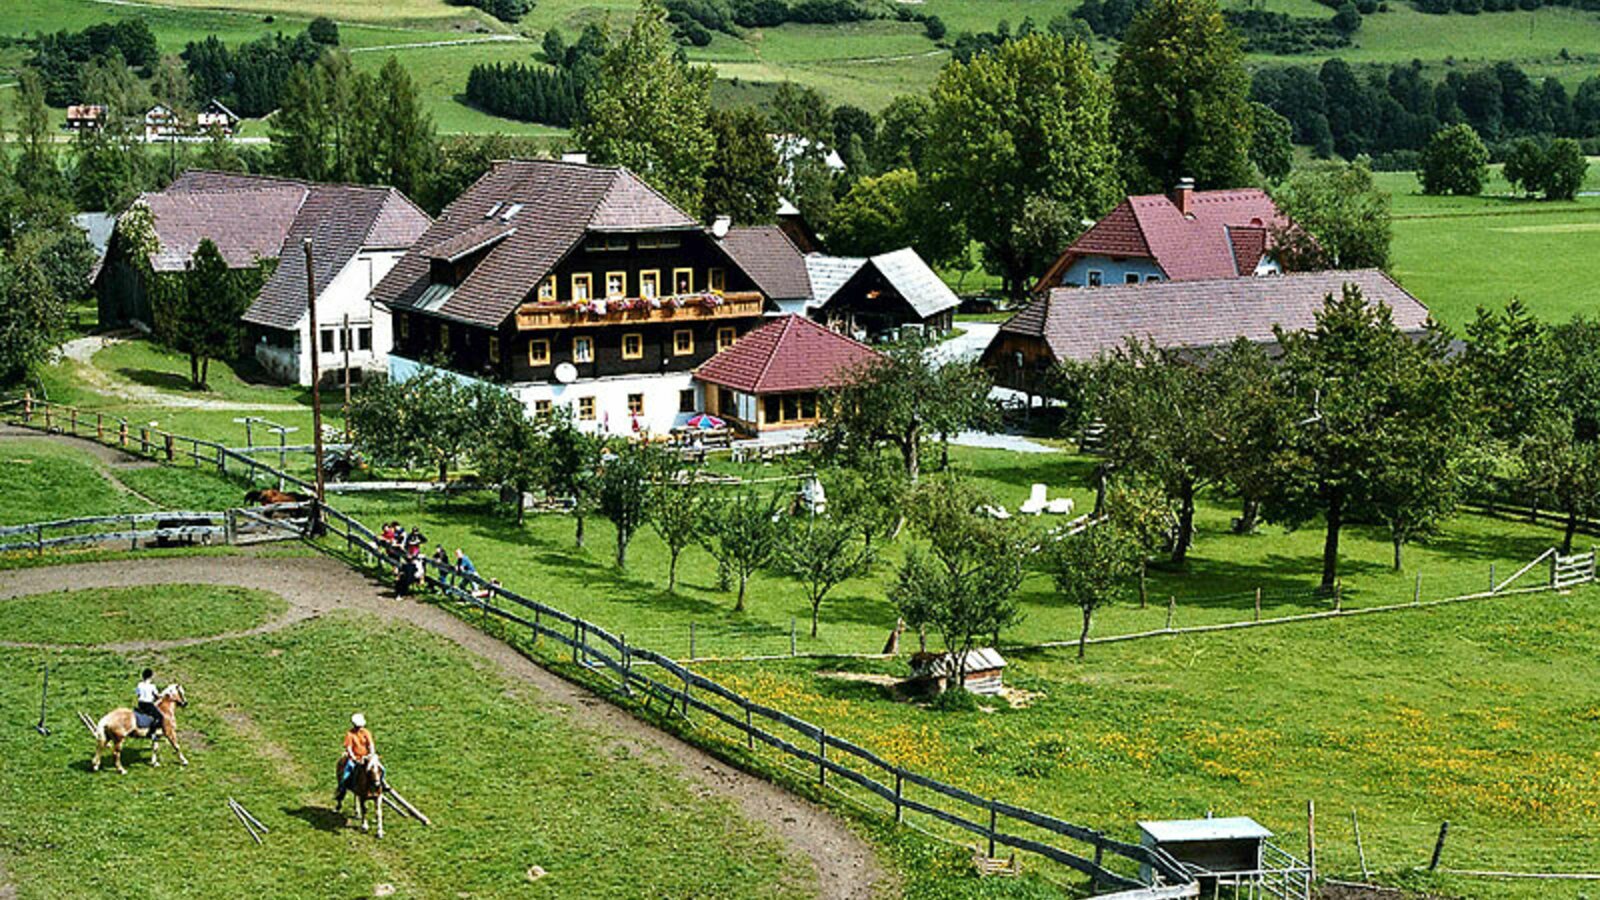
(316, 385)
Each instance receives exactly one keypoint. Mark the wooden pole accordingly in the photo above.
(1172, 607)
(316, 391)
(822, 755)
(993, 825)
(245, 822)
(344, 337)
(791, 636)
(1258, 604)
(1438, 846)
(1416, 591)
(899, 811)
(1311, 838)
(257, 822)
(1491, 578)
(1355, 826)
(691, 642)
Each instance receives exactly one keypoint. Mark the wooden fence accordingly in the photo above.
(656, 678)
(160, 528)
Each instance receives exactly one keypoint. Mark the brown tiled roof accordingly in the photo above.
(1188, 246)
(1082, 323)
(1249, 244)
(247, 225)
(788, 353)
(340, 220)
(474, 238)
(772, 260)
(552, 204)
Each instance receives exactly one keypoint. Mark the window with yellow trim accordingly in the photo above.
(494, 349)
(725, 338)
(586, 409)
(547, 290)
(633, 346)
(539, 352)
(650, 283)
(682, 342)
(583, 349)
(616, 284)
(444, 336)
(683, 281)
(541, 407)
(582, 287)
(635, 404)
(717, 280)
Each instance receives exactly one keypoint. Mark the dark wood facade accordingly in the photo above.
(1020, 362)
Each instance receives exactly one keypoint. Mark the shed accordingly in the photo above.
(984, 668)
(1216, 846)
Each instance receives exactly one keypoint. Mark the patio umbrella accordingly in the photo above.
(705, 420)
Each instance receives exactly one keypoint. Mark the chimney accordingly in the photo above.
(580, 158)
(1182, 193)
(720, 226)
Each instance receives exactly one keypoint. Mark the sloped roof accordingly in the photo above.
(1249, 244)
(475, 238)
(829, 273)
(552, 204)
(788, 353)
(767, 255)
(340, 220)
(1082, 323)
(1189, 245)
(913, 280)
(247, 225)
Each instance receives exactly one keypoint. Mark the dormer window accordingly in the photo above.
(547, 290)
(494, 209)
(659, 241)
(608, 244)
(511, 210)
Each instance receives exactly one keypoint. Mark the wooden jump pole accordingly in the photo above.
(407, 807)
(246, 813)
(243, 821)
(1438, 846)
(1361, 853)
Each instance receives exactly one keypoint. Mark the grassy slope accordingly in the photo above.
(508, 783)
(1481, 714)
(1457, 253)
(158, 613)
(40, 480)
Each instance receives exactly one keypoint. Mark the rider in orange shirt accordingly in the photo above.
(358, 748)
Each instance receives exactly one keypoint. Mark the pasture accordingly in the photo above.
(510, 780)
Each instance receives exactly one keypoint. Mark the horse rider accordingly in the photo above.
(147, 694)
(358, 750)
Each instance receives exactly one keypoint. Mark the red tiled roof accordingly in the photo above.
(788, 353)
(552, 204)
(1188, 246)
(1249, 244)
(771, 259)
(1080, 324)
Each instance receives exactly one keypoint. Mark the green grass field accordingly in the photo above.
(1483, 715)
(40, 480)
(159, 613)
(508, 781)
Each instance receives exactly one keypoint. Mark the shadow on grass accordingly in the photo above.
(319, 817)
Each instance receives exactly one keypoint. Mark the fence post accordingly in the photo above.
(1491, 578)
(133, 533)
(577, 638)
(47, 417)
(99, 427)
(1416, 591)
(1258, 604)
(686, 696)
(72, 420)
(1172, 607)
(39, 541)
(898, 812)
(791, 636)
(627, 664)
(27, 406)
(1438, 846)
(993, 825)
(749, 728)
(122, 432)
(1338, 596)
(691, 642)
(822, 755)
(1554, 556)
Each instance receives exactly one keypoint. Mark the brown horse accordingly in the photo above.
(272, 496)
(366, 782)
(120, 724)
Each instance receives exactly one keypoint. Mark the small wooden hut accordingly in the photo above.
(984, 669)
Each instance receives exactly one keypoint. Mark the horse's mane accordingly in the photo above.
(172, 690)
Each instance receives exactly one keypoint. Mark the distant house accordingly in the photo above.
(85, 117)
(1186, 235)
(574, 285)
(771, 378)
(794, 224)
(1069, 325)
(358, 233)
(216, 117)
(162, 123)
(772, 259)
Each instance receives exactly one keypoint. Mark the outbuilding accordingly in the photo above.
(1209, 846)
(985, 668)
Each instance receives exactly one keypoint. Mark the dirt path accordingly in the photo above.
(109, 458)
(82, 350)
(846, 867)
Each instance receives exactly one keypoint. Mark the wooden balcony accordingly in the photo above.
(637, 310)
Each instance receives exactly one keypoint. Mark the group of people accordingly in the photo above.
(405, 548)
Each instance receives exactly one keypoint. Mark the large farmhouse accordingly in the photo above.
(1069, 325)
(1186, 235)
(576, 285)
(357, 234)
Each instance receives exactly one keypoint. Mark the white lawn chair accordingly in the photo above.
(1061, 506)
(994, 512)
(1036, 502)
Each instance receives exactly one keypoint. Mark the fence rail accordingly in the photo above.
(169, 527)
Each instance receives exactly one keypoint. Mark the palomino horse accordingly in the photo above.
(366, 782)
(120, 724)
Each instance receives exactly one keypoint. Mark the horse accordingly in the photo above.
(120, 724)
(366, 782)
(272, 496)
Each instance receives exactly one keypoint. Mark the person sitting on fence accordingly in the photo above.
(483, 593)
(464, 568)
(441, 558)
(147, 693)
(358, 747)
(387, 537)
(415, 542)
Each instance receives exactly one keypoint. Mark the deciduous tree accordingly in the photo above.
(1341, 219)
(744, 533)
(895, 210)
(742, 179)
(677, 514)
(821, 552)
(628, 473)
(1454, 162)
(1091, 569)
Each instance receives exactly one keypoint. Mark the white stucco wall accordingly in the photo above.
(1113, 271)
(348, 295)
(611, 416)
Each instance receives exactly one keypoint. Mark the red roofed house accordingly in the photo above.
(1067, 325)
(574, 285)
(1188, 235)
(770, 378)
(358, 233)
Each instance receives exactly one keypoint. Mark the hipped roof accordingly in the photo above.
(788, 353)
